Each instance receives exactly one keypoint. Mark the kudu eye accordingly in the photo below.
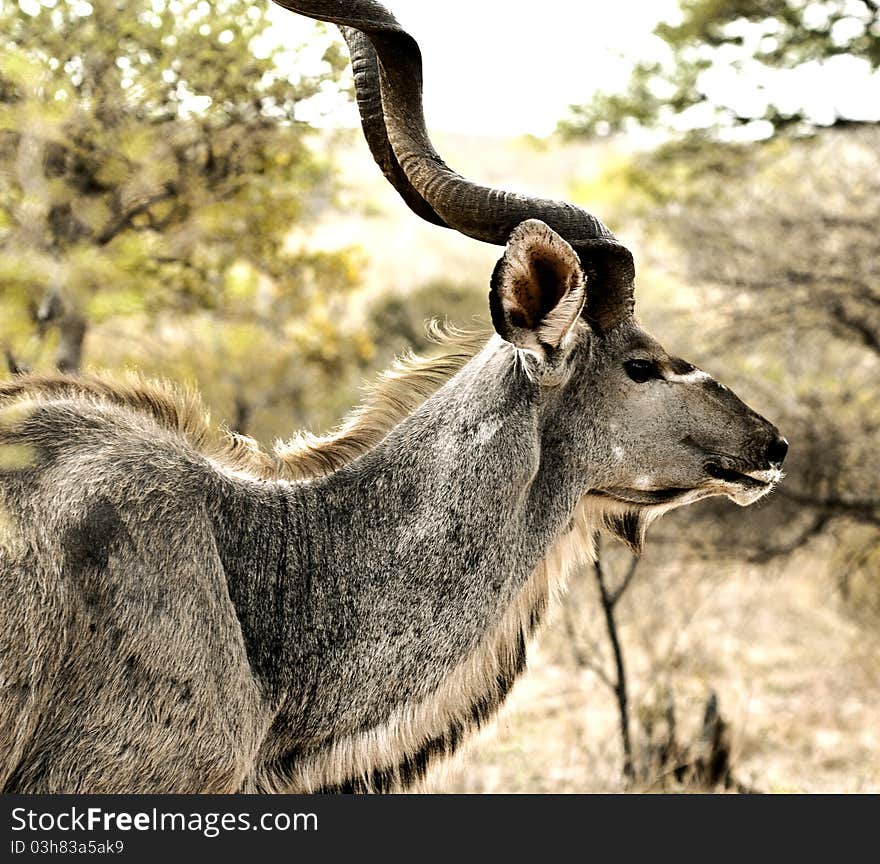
(641, 370)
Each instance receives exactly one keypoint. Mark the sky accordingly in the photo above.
(512, 68)
(502, 67)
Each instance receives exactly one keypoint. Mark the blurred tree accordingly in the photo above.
(151, 162)
(740, 44)
(399, 320)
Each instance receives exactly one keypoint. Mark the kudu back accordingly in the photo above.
(182, 611)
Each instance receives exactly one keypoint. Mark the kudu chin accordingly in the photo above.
(182, 611)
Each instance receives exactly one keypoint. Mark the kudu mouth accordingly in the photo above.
(743, 484)
(749, 479)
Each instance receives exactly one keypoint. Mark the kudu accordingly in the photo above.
(183, 611)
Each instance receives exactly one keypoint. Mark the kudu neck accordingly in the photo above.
(366, 589)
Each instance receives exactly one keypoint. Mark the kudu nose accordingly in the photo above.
(776, 451)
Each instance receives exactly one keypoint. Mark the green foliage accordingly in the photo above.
(151, 171)
(755, 35)
(641, 103)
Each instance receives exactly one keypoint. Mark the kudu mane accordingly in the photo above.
(395, 393)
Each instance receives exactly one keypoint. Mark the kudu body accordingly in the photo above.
(183, 612)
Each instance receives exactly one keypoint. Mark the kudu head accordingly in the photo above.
(637, 430)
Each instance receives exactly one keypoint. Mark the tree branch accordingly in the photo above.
(864, 510)
(624, 583)
(581, 658)
(816, 526)
(123, 220)
(859, 326)
(620, 686)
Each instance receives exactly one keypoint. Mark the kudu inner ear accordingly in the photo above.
(537, 288)
(610, 273)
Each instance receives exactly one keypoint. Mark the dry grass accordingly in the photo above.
(798, 681)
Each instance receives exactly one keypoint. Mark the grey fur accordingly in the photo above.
(172, 621)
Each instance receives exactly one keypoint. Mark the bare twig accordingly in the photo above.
(865, 510)
(609, 600)
(768, 553)
(581, 658)
(624, 583)
(123, 219)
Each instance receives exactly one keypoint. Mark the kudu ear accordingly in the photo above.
(537, 288)
(610, 272)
